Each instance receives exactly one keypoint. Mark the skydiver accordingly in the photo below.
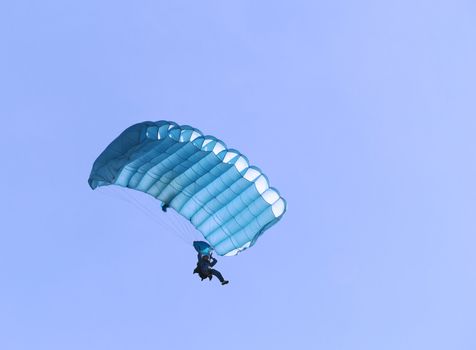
(204, 268)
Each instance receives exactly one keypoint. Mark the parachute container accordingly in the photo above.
(203, 248)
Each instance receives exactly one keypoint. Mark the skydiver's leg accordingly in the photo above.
(217, 274)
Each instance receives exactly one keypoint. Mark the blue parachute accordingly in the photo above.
(227, 200)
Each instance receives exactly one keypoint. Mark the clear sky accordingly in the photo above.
(362, 114)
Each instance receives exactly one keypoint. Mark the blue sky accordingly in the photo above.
(362, 114)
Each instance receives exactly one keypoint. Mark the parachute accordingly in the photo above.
(215, 188)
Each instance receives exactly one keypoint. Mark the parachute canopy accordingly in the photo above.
(226, 199)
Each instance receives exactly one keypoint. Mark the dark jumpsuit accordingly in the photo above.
(205, 267)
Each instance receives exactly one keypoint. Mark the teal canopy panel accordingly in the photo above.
(226, 199)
